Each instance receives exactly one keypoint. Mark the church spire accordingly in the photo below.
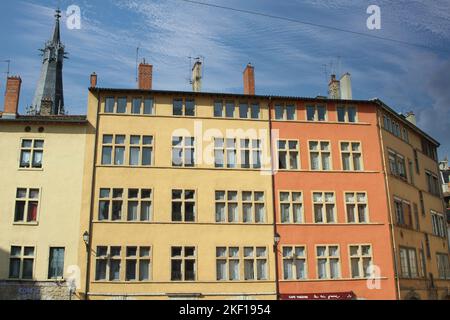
(49, 95)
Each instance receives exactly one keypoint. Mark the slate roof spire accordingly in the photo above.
(50, 85)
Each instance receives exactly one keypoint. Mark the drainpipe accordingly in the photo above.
(391, 221)
(91, 212)
(275, 227)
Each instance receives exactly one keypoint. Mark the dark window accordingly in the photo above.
(178, 107)
(121, 105)
(56, 263)
(148, 106)
(109, 105)
(218, 109)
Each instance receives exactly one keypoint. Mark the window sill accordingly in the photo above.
(329, 224)
(31, 169)
(26, 224)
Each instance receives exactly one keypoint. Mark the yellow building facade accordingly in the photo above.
(160, 228)
(416, 207)
(42, 165)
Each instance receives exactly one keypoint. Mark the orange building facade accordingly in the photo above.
(338, 222)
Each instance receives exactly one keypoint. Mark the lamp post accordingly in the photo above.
(86, 239)
(276, 242)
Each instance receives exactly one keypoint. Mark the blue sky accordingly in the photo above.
(288, 57)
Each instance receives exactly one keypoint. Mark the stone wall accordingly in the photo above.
(14, 290)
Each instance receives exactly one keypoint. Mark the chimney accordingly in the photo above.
(334, 88)
(346, 87)
(145, 76)
(411, 117)
(12, 96)
(46, 107)
(93, 80)
(249, 80)
(197, 77)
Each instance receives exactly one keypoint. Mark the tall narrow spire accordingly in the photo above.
(50, 85)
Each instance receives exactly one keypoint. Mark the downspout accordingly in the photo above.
(391, 222)
(275, 246)
(91, 213)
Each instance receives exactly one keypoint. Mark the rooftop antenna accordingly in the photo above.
(9, 67)
(137, 63)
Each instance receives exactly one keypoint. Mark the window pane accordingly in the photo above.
(148, 106)
(221, 270)
(121, 105)
(255, 111)
(341, 114)
(134, 156)
(133, 211)
(119, 156)
(351, 114)
(322, 111)
(176, 212)
(279, 112)
(14, 268)
(218, 109)
(114, 270)
(131, 270)
(109, 105)
(220, 212)
(136, 109)
(310, 113)
(144, 270)
(290, 112)
(19, 211)
(230, 109)
(27, 271)
(147, 156)
(243, 111)
(189, 270)
(146, 209)
(56, 263)
(249, 270)
(32, 211)
(107, 155)
(190, 108)
(178, 107)
(25, 158)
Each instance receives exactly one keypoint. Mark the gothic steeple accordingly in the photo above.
(49, 96)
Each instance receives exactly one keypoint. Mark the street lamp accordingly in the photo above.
(277, 239)
(86, 238)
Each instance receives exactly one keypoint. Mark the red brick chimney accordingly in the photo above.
(12, 96)
(249, 80)
(93, 80)
(145, 76)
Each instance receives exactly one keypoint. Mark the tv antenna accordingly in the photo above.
(137, 63)
(9, 67)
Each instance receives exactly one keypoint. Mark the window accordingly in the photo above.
(243, 110)
(21, 263)
(31, 153)
(137, 265)
(252, 204)
(285, 112)
(108, 263)
(403, 213)
(183, 151)
(443, 265)
(218, 109)
(27, 205)
(109, 105)
(113, 150)
(228, 264)
(225, 153)
(251, 153)
(397, 165)
(141, 150)
(122, 105)
(320, 155)
(416, 161)
(351, 156)
(253, 207)
(328, 262)
(136, 106)
(139, 205)
(183, 264)
(429, 149)
(347, 114)
(229, 109)
(422, 203)
(294, 263)
(316, 113)
(227, 206)
(148, 106)
(408, 263)
(255, 111)
(111, 205)
(324, 207)
(56, 263)
(433, 183)
(360, 260)
(255, 263)
(356, 206)
(291, 207)
(288, 155)
(438, 224)
(183, 206)
(184, 107)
